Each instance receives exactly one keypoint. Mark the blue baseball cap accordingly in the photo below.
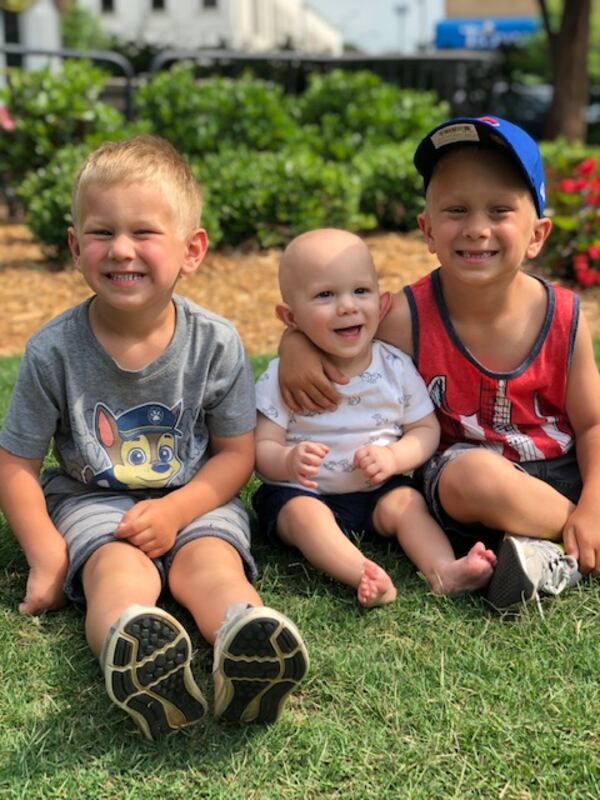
(491, 131)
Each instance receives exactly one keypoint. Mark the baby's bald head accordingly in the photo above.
(314, 251)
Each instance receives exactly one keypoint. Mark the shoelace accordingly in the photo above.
(556, 572)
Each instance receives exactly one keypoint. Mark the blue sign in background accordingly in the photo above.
(483, 33)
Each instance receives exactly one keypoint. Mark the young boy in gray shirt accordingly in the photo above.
(149, 402)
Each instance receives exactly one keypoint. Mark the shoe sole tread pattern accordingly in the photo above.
(149, 676)
(510, 586)
(262, 664)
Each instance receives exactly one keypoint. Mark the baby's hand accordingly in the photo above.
(304, 460)
(149, 525)
(44, 590)
(376, 462)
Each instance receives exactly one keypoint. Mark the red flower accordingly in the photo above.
(572, 185)
(587, 166)
(593, 251)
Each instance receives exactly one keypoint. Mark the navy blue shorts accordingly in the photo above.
(353, 512)
(560, 473)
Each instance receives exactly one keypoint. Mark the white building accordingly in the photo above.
(249, 25)
(36, 26)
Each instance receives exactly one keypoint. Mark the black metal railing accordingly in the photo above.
(106, 56)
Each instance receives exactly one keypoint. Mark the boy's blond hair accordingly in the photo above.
(143, 159)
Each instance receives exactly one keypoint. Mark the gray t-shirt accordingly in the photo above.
(144, 429)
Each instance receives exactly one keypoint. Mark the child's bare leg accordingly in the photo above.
(206, 577)
(481, 486)
(116, 577)
(402, 513)
(146, 657)
(308, 524)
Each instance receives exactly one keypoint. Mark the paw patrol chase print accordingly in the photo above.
(141, 446)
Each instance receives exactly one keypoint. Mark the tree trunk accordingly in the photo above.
(568, 53)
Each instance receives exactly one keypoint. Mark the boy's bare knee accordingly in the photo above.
(472, 480)
(205, 559)
(117, 570)
(116, 558)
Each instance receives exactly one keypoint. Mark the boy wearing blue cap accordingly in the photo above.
(507, 359)
(149, 401)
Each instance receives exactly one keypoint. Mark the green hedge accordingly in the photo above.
(219, 113)
(53, 109)
(271, 165)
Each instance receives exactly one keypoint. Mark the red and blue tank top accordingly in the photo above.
(520, 414)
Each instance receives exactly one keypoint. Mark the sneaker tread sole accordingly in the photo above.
(149, 676)
(261, 664)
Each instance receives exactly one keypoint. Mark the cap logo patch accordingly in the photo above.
(461, 132)
(490, 121)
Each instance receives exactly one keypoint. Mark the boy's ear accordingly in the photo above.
(424, 223)
(385, 303)
(541, 232)
(73, 245)
(286, 315)
(197, 245)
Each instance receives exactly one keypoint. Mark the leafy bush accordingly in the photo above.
(51, 110)
(274, 196)
(573, 249)
(46, 194)
(207, 116)
(82, 30)
(392, 189)
(345, 111)
(271, 166)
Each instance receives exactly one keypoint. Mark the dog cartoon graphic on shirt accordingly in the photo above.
(141, 445)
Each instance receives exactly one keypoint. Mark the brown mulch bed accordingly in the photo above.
(241, 286)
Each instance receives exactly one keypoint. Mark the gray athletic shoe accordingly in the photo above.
(259, 658)
(146, 662)
(527, 567)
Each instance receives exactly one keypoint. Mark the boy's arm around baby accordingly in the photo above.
(581, 535)
(23, 503)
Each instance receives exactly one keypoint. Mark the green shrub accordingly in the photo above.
(81, 29)
(344, 111)
(51, 110)
(392, 189)
(271, 166)
(201, 117)
(46, 194)
(274, 196)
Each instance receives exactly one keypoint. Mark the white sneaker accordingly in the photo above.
(259, 658)
(526, 567)
(146, 663)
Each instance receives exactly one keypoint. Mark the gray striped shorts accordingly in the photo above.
(87, 520)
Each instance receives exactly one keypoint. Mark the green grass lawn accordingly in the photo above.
(427, 698)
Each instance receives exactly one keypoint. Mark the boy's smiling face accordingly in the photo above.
(480, 219)
(130, 247)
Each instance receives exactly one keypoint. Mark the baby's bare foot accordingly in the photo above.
(468, 573)
(375, 587)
